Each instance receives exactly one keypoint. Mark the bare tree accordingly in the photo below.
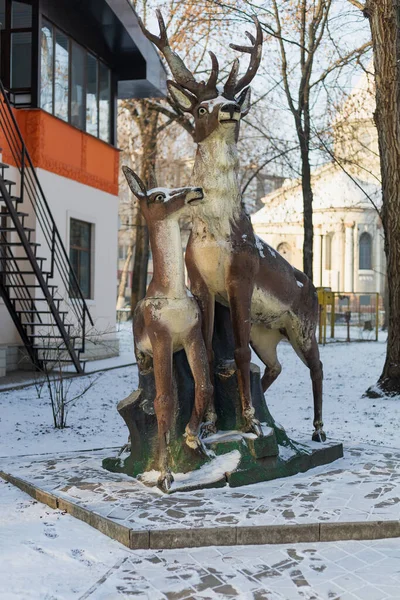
(384, 20)
(191, 28)
(301, 29)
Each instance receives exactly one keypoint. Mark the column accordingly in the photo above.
(356, 259)
(341, 266)
(349, 257)
(317, 258)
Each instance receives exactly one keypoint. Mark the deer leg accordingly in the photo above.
(316, 373)
(197, 357)
(240, 305)
(310, 356)
(163, 403)
(206, 302)
(264, 342)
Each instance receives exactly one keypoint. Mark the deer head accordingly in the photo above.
(210, 106)
(160, 203)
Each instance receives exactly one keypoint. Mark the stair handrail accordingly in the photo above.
(58, 251)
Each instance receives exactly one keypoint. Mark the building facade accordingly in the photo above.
(63, 67)
(348, 236)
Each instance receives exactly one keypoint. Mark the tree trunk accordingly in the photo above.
(303, 134)
(147, 123)
(139, 272)
(124, 277)
(384, 23)
(307, 212)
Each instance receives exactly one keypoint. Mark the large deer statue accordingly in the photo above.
(269, 300)
(168, 318)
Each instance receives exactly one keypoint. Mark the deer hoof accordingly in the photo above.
(192, 439)
(253, 426)
(319, 436)
(165, 481)
(208, 428)
(125, 449)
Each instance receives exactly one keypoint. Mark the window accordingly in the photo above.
(80, 254)
(285, 250)
(328, 251)
(365, 252)
(92, 117)
(21, 58)
(104, 103)
(2, 14)
(21, 15)
(365, 300)
(61, 69)
(75, 85)
(46, 67)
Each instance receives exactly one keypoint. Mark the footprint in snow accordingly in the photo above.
(78, 554)
(50, 531)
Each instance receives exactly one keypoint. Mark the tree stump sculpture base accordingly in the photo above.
(229, 456)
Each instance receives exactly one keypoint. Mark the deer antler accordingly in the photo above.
(255, 51)
(178, 68)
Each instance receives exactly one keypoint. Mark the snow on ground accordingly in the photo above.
(47, 555)
(349, 369)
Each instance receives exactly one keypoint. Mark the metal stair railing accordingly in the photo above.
(31, 191)
(22, 296)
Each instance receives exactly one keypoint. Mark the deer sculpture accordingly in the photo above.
(269, 300)
(168, 318)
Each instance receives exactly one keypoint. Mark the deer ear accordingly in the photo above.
(135, 183)
(244, 101)
(184, 99)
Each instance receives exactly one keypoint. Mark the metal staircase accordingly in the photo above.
(37, 282)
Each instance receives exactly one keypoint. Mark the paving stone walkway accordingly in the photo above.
(325, 571)
(363, 486)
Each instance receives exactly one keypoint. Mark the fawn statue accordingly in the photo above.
(168, 319)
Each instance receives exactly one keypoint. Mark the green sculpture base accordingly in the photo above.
(230, 456)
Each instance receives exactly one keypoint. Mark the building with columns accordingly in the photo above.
(348, 235)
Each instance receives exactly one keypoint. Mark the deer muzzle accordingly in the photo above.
(229, 113)
(195, 196)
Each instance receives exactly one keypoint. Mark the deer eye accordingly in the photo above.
(202, 111)
(159, 198)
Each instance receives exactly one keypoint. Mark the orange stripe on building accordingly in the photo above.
(60, 148)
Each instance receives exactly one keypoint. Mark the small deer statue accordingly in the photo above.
(168, 318)
(269, 300)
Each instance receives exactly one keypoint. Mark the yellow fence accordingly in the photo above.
(348, 317)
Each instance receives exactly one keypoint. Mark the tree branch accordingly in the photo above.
(357, 4)
(264, 164)
(344, 60)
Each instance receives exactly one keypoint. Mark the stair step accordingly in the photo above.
(19, 213)
(53, 337)
(24, 272)
(39, 324)
(14, 229)
(40, 312)
(21, 258)
(29, 285)
(18, 243)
